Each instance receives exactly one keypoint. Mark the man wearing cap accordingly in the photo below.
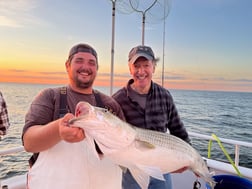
(148, 105)
(61, 157)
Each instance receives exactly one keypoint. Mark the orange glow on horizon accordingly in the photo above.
(106, 83)
(24, 76)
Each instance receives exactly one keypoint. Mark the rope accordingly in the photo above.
(225, 152)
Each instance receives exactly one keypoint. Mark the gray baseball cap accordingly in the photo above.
(140, 51)
(82, 47)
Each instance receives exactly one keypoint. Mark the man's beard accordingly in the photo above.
(84, 85)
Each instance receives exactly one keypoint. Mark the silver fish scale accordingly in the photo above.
(179, 147)
(163, 140)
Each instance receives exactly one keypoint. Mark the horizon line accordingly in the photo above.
(118, 86)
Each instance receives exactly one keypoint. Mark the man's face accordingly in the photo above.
(142, 71)
(82, 69)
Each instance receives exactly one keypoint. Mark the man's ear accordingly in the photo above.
(154, 67)
(130, 69)
(67, 65)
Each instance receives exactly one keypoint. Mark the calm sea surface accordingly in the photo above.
(226, 114)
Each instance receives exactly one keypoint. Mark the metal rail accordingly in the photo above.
(11, 150)
(236, 143)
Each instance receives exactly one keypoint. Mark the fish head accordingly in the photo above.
(201, 170)
(108, 131)
(86, 112)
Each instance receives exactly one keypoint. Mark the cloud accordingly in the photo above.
(28, 72)
(52, 73)
(170, 76)
(4, 21)
(17, 71)
(243, 80)
(184, 77)
(17, 13)
(115, 74)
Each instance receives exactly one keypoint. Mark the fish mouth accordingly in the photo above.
(75, 119)
(97, 148)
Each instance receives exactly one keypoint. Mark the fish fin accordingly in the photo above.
(141, 178)
(144, 144)
(152, 171)
(124, 169)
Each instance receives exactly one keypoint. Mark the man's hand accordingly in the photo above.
(70, 134)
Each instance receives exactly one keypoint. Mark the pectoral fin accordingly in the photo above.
(124, 169)
(142, 175)
(140, 144)
(141, 178)
(152, 171)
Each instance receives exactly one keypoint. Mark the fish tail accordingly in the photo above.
(211, 184)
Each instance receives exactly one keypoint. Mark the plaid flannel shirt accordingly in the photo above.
(160, 112)
(4, 119)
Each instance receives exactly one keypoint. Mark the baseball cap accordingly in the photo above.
(140, 51)
(82, 47)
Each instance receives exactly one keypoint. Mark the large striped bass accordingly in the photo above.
(144, 152)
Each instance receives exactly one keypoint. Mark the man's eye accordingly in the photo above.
(92, 63)
(78, 61)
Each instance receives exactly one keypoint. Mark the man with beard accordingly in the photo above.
(61, 156)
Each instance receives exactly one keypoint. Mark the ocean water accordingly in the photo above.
(226, 114)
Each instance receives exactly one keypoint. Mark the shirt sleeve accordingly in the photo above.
(4, 119)
(175, 125)
(113, 106)
(41, 110)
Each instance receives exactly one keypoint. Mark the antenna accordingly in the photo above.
(143, 12)
(151, 10)
(123, 8)
(112, 47)
(162, 81)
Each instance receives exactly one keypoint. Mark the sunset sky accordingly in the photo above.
(208, 43)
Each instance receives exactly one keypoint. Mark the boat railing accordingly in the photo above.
(237, 144)
(11, 150)
(215, 164)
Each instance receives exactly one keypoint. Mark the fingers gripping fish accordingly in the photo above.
(144, 152)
